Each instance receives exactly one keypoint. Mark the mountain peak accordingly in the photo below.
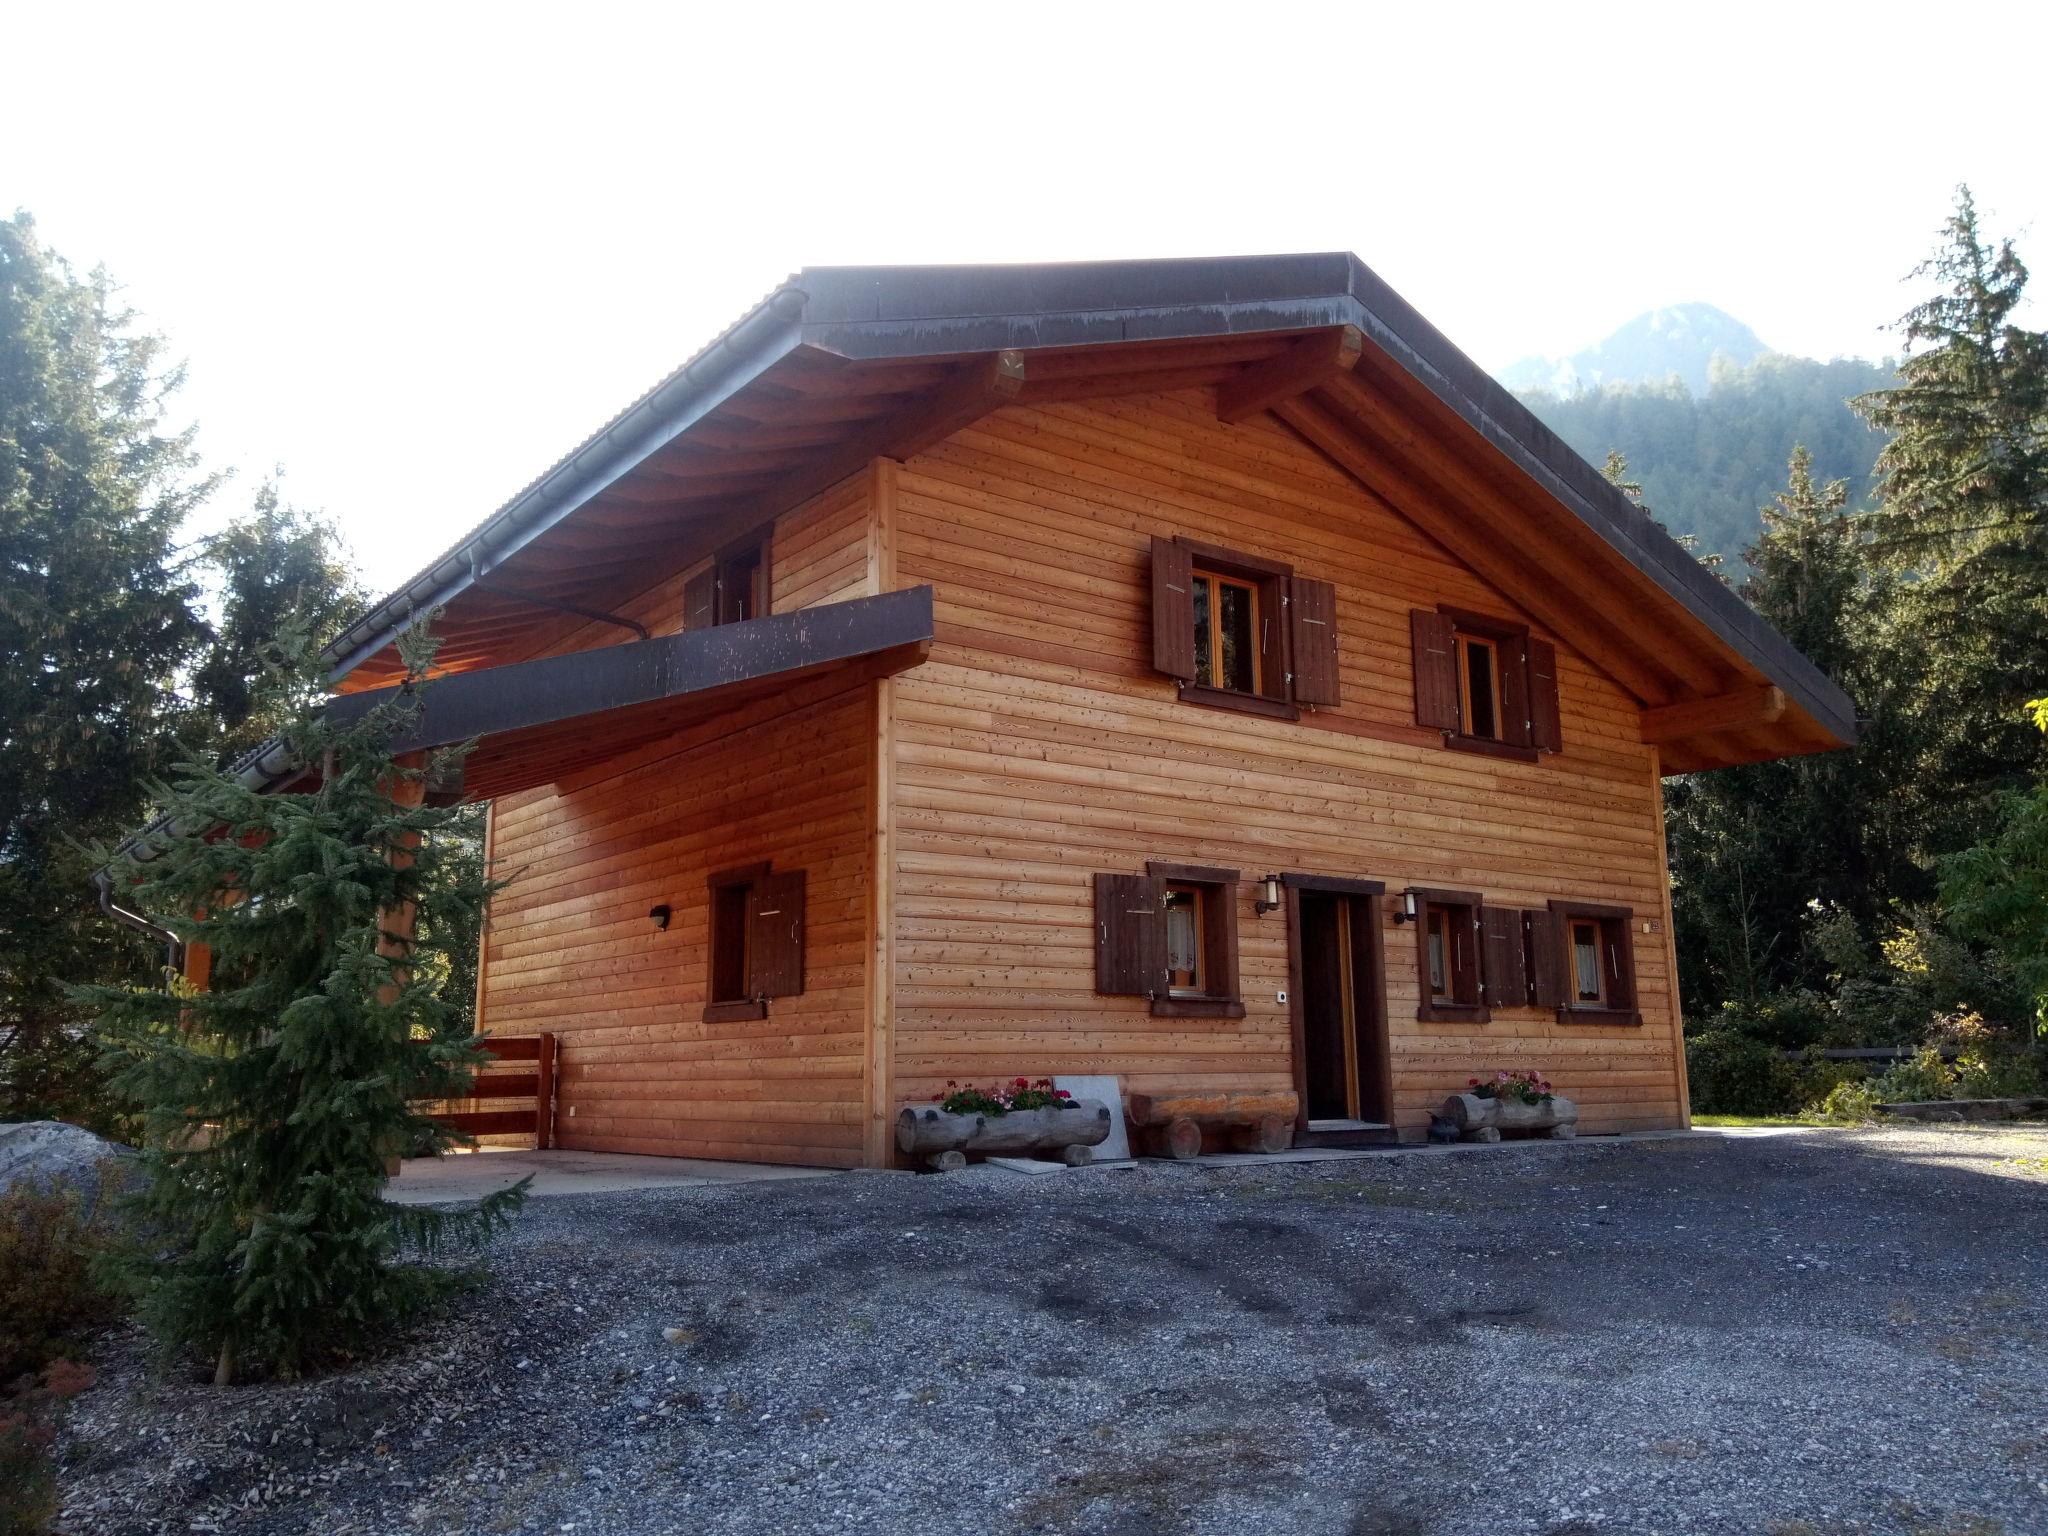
(1677, 340)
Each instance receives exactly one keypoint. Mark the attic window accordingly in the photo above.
(732, 589)
(1487, 683)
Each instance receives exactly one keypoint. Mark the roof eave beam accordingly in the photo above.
(1741, 710)
(1310, 363)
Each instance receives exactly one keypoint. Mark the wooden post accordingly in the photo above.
(544, 1095)
(878, 1140)
(1670, 941)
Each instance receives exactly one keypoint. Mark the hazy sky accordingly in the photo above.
(414, 253)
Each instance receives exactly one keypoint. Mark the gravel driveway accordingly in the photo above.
(1797, 1334)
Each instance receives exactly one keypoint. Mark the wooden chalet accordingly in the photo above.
(1192, 671)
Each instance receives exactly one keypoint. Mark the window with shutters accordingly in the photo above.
(1450, 982)
(1240, 632)
(732, 589)
(1486, 683)
(1170, 935)
(1592, 962)
(755, 940)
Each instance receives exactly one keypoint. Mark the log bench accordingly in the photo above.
(1176, 1125)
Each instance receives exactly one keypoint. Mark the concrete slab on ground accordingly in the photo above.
(471, 1175)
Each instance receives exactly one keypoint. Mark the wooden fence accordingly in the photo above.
(537, 1119)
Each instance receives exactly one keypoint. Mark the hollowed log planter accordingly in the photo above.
(946, 1140)
(1480, 1119)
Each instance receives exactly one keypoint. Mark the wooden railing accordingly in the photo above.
(538, 1085)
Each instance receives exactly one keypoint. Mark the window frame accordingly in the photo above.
(719, 1010)
(1616, 928)
(1217, 932)
(1467, 1004)
(753, 549)
(1269, 581)
(1499, 634)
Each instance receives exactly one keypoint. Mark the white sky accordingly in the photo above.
(414, 253)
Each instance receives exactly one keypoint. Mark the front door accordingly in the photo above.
(1344, 1065)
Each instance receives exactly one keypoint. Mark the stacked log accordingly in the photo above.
(1176, 1125)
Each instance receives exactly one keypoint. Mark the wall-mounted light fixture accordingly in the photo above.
(659, 916)
(1404, 909)
(1269, 895)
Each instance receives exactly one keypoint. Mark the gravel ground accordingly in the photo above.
(1799, 1334)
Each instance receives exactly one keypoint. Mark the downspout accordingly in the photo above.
(174, 949)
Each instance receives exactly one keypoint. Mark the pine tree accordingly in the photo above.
(1965, 474)
(283, 580)
(272, 1099)
(1753, 847)
(1964, 519)
(96, 619)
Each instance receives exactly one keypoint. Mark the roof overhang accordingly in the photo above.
(842, 363)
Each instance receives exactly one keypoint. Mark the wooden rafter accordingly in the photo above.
(1309, 364)
(1518, 581)
(1740, 710)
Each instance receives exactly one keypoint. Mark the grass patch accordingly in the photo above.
(1724, 1122)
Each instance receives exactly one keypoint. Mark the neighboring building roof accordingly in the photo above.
(942, 315)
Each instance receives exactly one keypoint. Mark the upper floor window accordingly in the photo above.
(1486, 683)
(731, 589)
(1242, 632)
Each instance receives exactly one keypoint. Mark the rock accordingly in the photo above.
(41, 1154)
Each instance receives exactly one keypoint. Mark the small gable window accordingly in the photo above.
(1487, 683)
(732, 589)
(1241, 632)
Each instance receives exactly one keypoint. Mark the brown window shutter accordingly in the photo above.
(1436, 669)
(1545, 937)
(1514, 691)
(1130, 935)
(775, 935)
(1500, 962)
(1173, 609)
(1546, 730)
(1312, 614)
(700, 599)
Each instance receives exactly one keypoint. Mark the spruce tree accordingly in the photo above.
(96, 620)
(1964, 522)
(276, 573)
(272, 1099)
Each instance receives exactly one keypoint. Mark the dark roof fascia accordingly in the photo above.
(909, 311)
(901, 312)
(755, 343)
(551, 689)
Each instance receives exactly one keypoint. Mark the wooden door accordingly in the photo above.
(1343, 1067)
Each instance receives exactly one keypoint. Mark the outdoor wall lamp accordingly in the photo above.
(1269, 895)
(1404, 911)
(660, 917)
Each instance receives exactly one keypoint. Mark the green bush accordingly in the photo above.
(1734, 1074)
(1916, 1080)
(48, 1295)
(1852, 1102)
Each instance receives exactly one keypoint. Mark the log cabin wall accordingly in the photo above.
(1038, 747)
(571, 947)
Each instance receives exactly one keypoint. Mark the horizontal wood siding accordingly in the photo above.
(571, 948)
(1039, 746)
(820, 552)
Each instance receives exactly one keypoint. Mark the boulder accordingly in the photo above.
(41, 1154)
